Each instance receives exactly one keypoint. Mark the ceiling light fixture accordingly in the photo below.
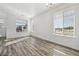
(51, 4)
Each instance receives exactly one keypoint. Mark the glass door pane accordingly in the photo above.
(68, 24)
(58, 23)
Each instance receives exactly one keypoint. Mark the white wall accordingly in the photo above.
(10, 18)
(2, 20)
(11, 27)
(43, 27)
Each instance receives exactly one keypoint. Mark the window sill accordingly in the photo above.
(64, 35)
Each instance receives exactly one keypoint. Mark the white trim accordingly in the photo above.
(64, 35)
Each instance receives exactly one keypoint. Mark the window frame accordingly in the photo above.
(74, 20)
(23, 23)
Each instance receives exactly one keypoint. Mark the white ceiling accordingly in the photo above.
(30, 9)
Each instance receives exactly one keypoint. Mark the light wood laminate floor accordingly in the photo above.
(28, 47)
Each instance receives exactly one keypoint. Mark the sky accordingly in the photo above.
(20, 22)
(68, 21)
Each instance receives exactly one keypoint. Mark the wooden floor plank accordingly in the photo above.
(30, 47)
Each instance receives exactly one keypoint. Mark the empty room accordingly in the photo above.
(39, 29)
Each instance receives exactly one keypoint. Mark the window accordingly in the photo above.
(58, 23)
(68, 28)
(64, 23)
(21, 25)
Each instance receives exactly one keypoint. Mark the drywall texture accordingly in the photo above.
(10, 21)
(11, 27)
(43, 26)
(2, 23)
